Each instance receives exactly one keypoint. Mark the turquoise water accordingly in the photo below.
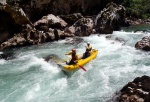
(28, 78)
(137, 27)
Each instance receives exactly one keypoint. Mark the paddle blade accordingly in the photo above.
(82, 68)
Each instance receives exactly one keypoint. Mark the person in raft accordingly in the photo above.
(74, 57)
(88, 47)
(88, 50)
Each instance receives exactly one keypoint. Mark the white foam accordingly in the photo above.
(115, 65)
(2, 61)
(31, 94)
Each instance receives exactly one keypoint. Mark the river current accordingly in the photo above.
(28, 78)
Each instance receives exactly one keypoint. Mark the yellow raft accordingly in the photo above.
(81, 62)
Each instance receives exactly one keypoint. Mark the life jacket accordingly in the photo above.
(89, 48)
(74, 56)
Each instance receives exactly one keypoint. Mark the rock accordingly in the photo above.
(70, 30)
(50, 21)
(83, 27)
(12, 18)
(117, 39)
(136, 91)
(7, 56)
(28, 36)
(35, 9)
(50, 27)
(71, 18)
(133, 21)
(74, 40)
(110, 19)
(144, 44)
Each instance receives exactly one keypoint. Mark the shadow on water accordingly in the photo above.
(54, 59)
(7, 55)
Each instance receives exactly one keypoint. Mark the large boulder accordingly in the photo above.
(50, 21)
(83, 27)
(110, 19)
(136, 91)
(144, 44)
(12, 18)
(71, 18)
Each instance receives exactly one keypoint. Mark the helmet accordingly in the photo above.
(73, 50)
(88, 43)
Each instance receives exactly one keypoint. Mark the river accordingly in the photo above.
(28, 78)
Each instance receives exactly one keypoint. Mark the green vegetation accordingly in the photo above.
(137, 8)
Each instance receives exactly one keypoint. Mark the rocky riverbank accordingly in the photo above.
(136, 91)
(21, 25)
(21, 30)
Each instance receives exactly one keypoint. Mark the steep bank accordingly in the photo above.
(52, 27)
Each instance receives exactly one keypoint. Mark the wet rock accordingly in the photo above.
(7, 56)
(83, 27)
(50, 21)
(28, 36)
(117, 39)
(136, 91)
(73, 40)
(50, 27)
(110, 19)
(121, 40)
(49, 57)
(144, 44)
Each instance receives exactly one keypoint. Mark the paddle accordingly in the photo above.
(82, 67)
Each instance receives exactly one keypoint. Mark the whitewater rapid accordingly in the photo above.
(28, 78)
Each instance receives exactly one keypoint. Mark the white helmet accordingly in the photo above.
(88, 43)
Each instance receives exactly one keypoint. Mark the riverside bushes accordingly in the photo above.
(137, 8)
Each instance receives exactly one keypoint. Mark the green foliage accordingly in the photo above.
(137, 8)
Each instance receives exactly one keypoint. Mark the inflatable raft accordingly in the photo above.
(81, 62)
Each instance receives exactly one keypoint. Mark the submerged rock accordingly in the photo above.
(7, 56)
(74, 40)
(53, 58)
(117, 39)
